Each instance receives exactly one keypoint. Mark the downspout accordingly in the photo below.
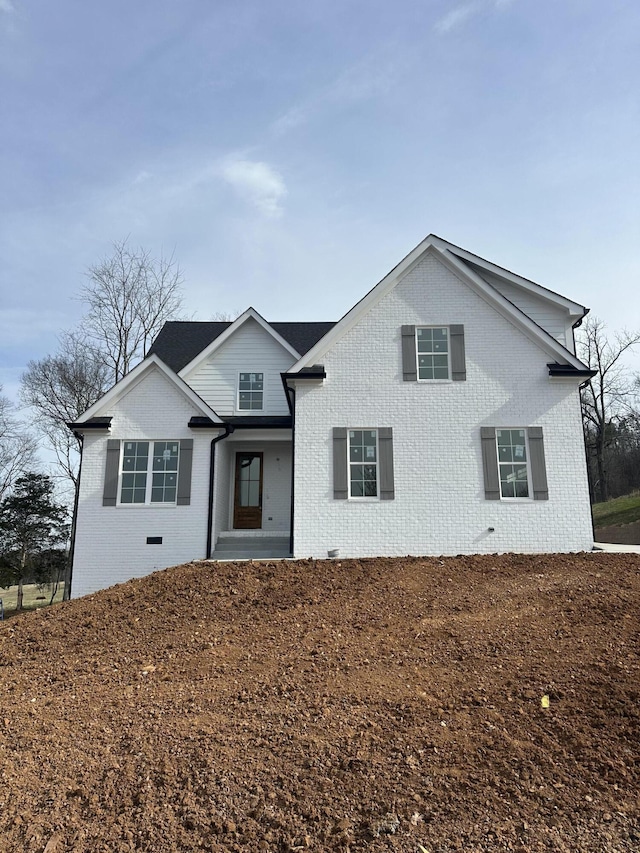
(74, 523)
(586, 458)
(228, 429)
(292, 392)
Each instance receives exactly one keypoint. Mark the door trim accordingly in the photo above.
(248, 517)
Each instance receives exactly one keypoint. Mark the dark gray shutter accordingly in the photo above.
(340, 486)
(490, 463)
(385, 464)
(458, 367)
(538, 467)
(112, 469)
(184, 472)
(409, 366)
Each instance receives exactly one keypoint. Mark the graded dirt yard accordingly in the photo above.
(341, 705)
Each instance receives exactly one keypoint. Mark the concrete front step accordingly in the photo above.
(251, 548)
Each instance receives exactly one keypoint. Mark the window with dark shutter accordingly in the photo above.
(513, 463)
(340, 487)
(112, 468)
(409, 362)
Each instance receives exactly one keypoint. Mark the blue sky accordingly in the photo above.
(290, 153)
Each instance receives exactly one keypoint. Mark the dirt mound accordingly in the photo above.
(390, 704)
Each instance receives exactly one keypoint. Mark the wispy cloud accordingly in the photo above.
(456, 17)
(258, 183)
(363, 81)
(463, 12)
(7, 6)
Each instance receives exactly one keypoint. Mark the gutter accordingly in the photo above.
(228, 429)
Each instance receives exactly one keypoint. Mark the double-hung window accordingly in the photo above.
(251, 391)
(363, 463)
(513, 462)
(432, 352)
(149, 472)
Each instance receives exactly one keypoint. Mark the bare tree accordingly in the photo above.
(17, 447)
(60, 388)
(224, 316)
(129, 296)
(608, 398)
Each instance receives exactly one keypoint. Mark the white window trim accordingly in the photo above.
(529, 498)
(363, 498)
(418, 354)
(149, 472)
(264, 394)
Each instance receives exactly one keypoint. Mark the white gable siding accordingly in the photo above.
(111, 542)
(552, 318)
(251, 348)
(439, 505)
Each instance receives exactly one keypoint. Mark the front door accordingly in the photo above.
(247, 504)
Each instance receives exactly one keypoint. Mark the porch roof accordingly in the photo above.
(246, 422)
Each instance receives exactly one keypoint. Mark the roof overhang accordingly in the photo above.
(245, 422)
(566, 371)
(94, 424)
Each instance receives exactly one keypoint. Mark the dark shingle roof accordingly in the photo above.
(180, 341)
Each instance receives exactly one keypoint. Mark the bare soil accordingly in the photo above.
(620, 534)
(389, 704)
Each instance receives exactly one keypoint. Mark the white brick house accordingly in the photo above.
(440, 415)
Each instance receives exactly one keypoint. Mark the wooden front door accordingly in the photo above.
(247, 503)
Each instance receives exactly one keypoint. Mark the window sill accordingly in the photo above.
(146, 506)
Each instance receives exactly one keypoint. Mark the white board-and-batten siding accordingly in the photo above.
(250, 349)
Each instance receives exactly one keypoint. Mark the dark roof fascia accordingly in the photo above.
(92, 423)
(569, 372)
(203, 422)
(244, 422)
(261, 422)
(316, 372)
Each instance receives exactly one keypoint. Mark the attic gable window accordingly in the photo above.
(251, 391)
(433, 352)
